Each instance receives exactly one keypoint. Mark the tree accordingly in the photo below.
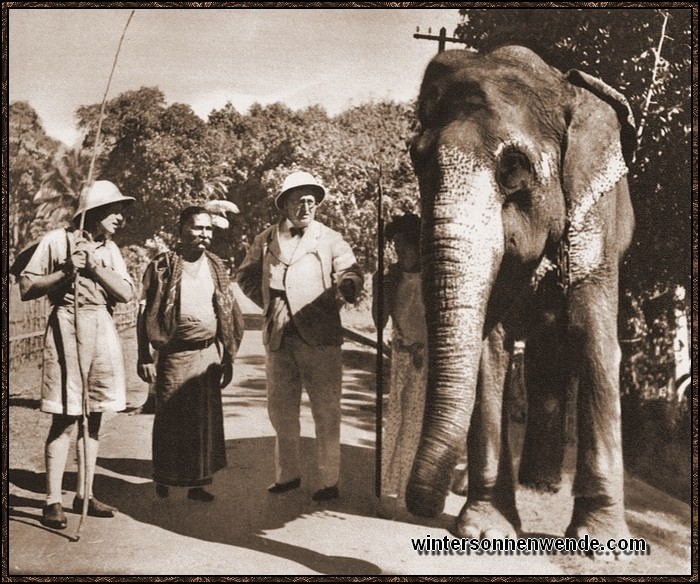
(344, 151)
(61, 185)
(372, 143)
(161, 155)
(255, 146)
(30, 153)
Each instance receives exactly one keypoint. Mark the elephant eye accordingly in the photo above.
(514, 171)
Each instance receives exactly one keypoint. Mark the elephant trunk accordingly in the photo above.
(462, 248)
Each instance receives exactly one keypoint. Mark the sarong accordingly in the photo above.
(188, 429)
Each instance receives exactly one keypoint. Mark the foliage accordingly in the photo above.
(372, 146)
(59, 193)
(30, 154)
(256, 145)
(657, 436)
(621, 47)
(156, 153)
(167, 157)
(136, 258)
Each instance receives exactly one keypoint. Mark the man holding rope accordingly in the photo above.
(91, 345)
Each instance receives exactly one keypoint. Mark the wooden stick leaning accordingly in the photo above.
(76, 293)
(380, 343)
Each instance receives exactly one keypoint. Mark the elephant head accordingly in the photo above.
(513, 158)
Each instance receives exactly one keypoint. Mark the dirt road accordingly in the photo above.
(247, 531)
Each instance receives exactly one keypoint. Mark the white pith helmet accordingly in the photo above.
(299, 179)
(102, 192)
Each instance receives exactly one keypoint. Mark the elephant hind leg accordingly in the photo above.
(492, 513)
(545, 434)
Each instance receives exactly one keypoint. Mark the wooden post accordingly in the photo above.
(442, 39)
(76, 293)
(379, 411)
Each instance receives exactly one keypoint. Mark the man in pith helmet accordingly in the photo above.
(87, 342)
(301, 272)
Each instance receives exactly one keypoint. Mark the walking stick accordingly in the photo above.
(380, 343)
(84, 369)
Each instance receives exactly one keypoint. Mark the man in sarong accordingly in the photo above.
(189, 315)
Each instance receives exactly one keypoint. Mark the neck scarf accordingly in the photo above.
(163, 307)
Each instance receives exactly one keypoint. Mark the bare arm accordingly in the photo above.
(145, 367)
(33, 286)
(376, 282)
(114, 284)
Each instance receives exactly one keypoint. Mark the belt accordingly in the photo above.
(177, 346)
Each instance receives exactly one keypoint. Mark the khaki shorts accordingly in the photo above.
(100, 357)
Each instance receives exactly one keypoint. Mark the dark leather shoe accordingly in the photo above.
(162, 491)
(54, 517)
(199, 494)
(326, 494)
(284, 487)
(95, 508)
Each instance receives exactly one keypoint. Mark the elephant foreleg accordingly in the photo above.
(490, 509)
(599, 482)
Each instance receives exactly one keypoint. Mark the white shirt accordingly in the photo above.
(197, 291)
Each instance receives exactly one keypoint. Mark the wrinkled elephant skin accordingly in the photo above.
(526, 214)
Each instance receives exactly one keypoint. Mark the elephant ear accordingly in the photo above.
(601, 140)
(628, 127)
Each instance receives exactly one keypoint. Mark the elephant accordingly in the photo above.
(526, 214)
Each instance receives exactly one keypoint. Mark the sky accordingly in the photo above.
(60, 59)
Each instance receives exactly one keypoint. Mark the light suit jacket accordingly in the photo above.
(321, 261)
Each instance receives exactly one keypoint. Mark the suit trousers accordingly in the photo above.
(318, 369)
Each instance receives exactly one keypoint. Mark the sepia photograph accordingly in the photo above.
(355, 289)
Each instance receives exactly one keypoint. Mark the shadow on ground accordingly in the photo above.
(243, 512)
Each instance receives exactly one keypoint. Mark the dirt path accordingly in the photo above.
(246, 531)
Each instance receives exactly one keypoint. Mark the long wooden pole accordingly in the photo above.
(380, 342)
(84, 370)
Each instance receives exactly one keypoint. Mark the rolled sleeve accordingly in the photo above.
(345, 265)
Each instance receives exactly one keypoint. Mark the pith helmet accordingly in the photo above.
(102, 192)
(297, 180)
